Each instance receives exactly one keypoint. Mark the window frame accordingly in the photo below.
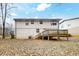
(54, 23)
(32, 21)
(41, 22)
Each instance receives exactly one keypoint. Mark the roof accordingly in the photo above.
(69, 19)
(73, 18)
(35, 19)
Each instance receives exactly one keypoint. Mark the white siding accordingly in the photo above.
(36, 25)
(23, 31)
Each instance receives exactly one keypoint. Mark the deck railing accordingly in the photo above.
(54, 33)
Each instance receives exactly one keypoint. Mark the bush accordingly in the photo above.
(12, 34)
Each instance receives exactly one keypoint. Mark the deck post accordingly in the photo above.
(67, 34)
(67, 37)
(58, 37)
(42, 36)
(58, 34)
(48, 37)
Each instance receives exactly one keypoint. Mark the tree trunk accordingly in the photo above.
(3, 30)
(4, 13)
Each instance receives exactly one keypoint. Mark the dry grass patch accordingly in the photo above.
(76, 36)
(38, 47)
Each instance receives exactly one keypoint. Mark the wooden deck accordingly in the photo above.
(53, 33)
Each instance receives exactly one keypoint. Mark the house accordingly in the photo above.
(29, 28)
(72, 25)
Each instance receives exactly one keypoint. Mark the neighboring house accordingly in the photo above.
(28, 28)
(72, 25)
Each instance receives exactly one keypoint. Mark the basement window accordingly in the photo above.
(30, 37)
(37, 30)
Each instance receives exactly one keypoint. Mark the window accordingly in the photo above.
(37, 30)
(53, 23)
(32, 21)
(69, 25)
(26, 23)
(62, 26)
(29, 37)
(41, 22)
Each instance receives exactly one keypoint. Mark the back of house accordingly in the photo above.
(29, 28)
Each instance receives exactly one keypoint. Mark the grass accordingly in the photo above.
(76, 36)
(6, 37)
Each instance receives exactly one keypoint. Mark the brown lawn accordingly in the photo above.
(38, 47)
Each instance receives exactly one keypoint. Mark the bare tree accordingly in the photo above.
(5, 9)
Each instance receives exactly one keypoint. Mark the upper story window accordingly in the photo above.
(54, 24)
(41, 22)
(32, 21)
(27, 23)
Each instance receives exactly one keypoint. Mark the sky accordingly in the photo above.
(46, 10)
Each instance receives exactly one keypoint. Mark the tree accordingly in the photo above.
(5, 9)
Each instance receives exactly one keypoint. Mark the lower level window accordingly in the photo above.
(29, 37)
(37, 30)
